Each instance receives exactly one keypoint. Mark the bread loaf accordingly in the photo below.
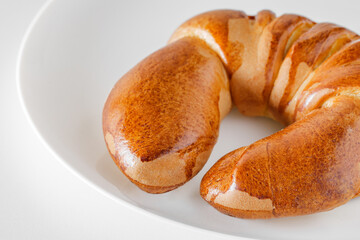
(161, 120)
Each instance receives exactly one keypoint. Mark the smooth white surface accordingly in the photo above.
(41, 200)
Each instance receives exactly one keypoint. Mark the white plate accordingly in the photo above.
(73, 54)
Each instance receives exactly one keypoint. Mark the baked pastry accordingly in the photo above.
(161, 120)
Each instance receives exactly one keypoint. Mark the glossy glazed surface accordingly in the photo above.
(162, 118)
(312, 165)
(287, 68)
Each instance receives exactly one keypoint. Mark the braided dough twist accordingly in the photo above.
(161, 120)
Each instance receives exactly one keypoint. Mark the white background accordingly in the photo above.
(39, 198)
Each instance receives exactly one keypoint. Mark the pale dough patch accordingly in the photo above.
(302, 71)
(201, 34)
(110, 142)
(239, 28)
(167, 170)
(200, 161)
(290, 109)
(243, 201)
(242, 31)
(280, 83)
(212, 192)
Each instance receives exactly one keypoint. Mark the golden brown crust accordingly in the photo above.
(321, 171)
(212, 27)
(313, 164)
(161, 120)
(306, 54)
(339, 73)
(163, 129)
